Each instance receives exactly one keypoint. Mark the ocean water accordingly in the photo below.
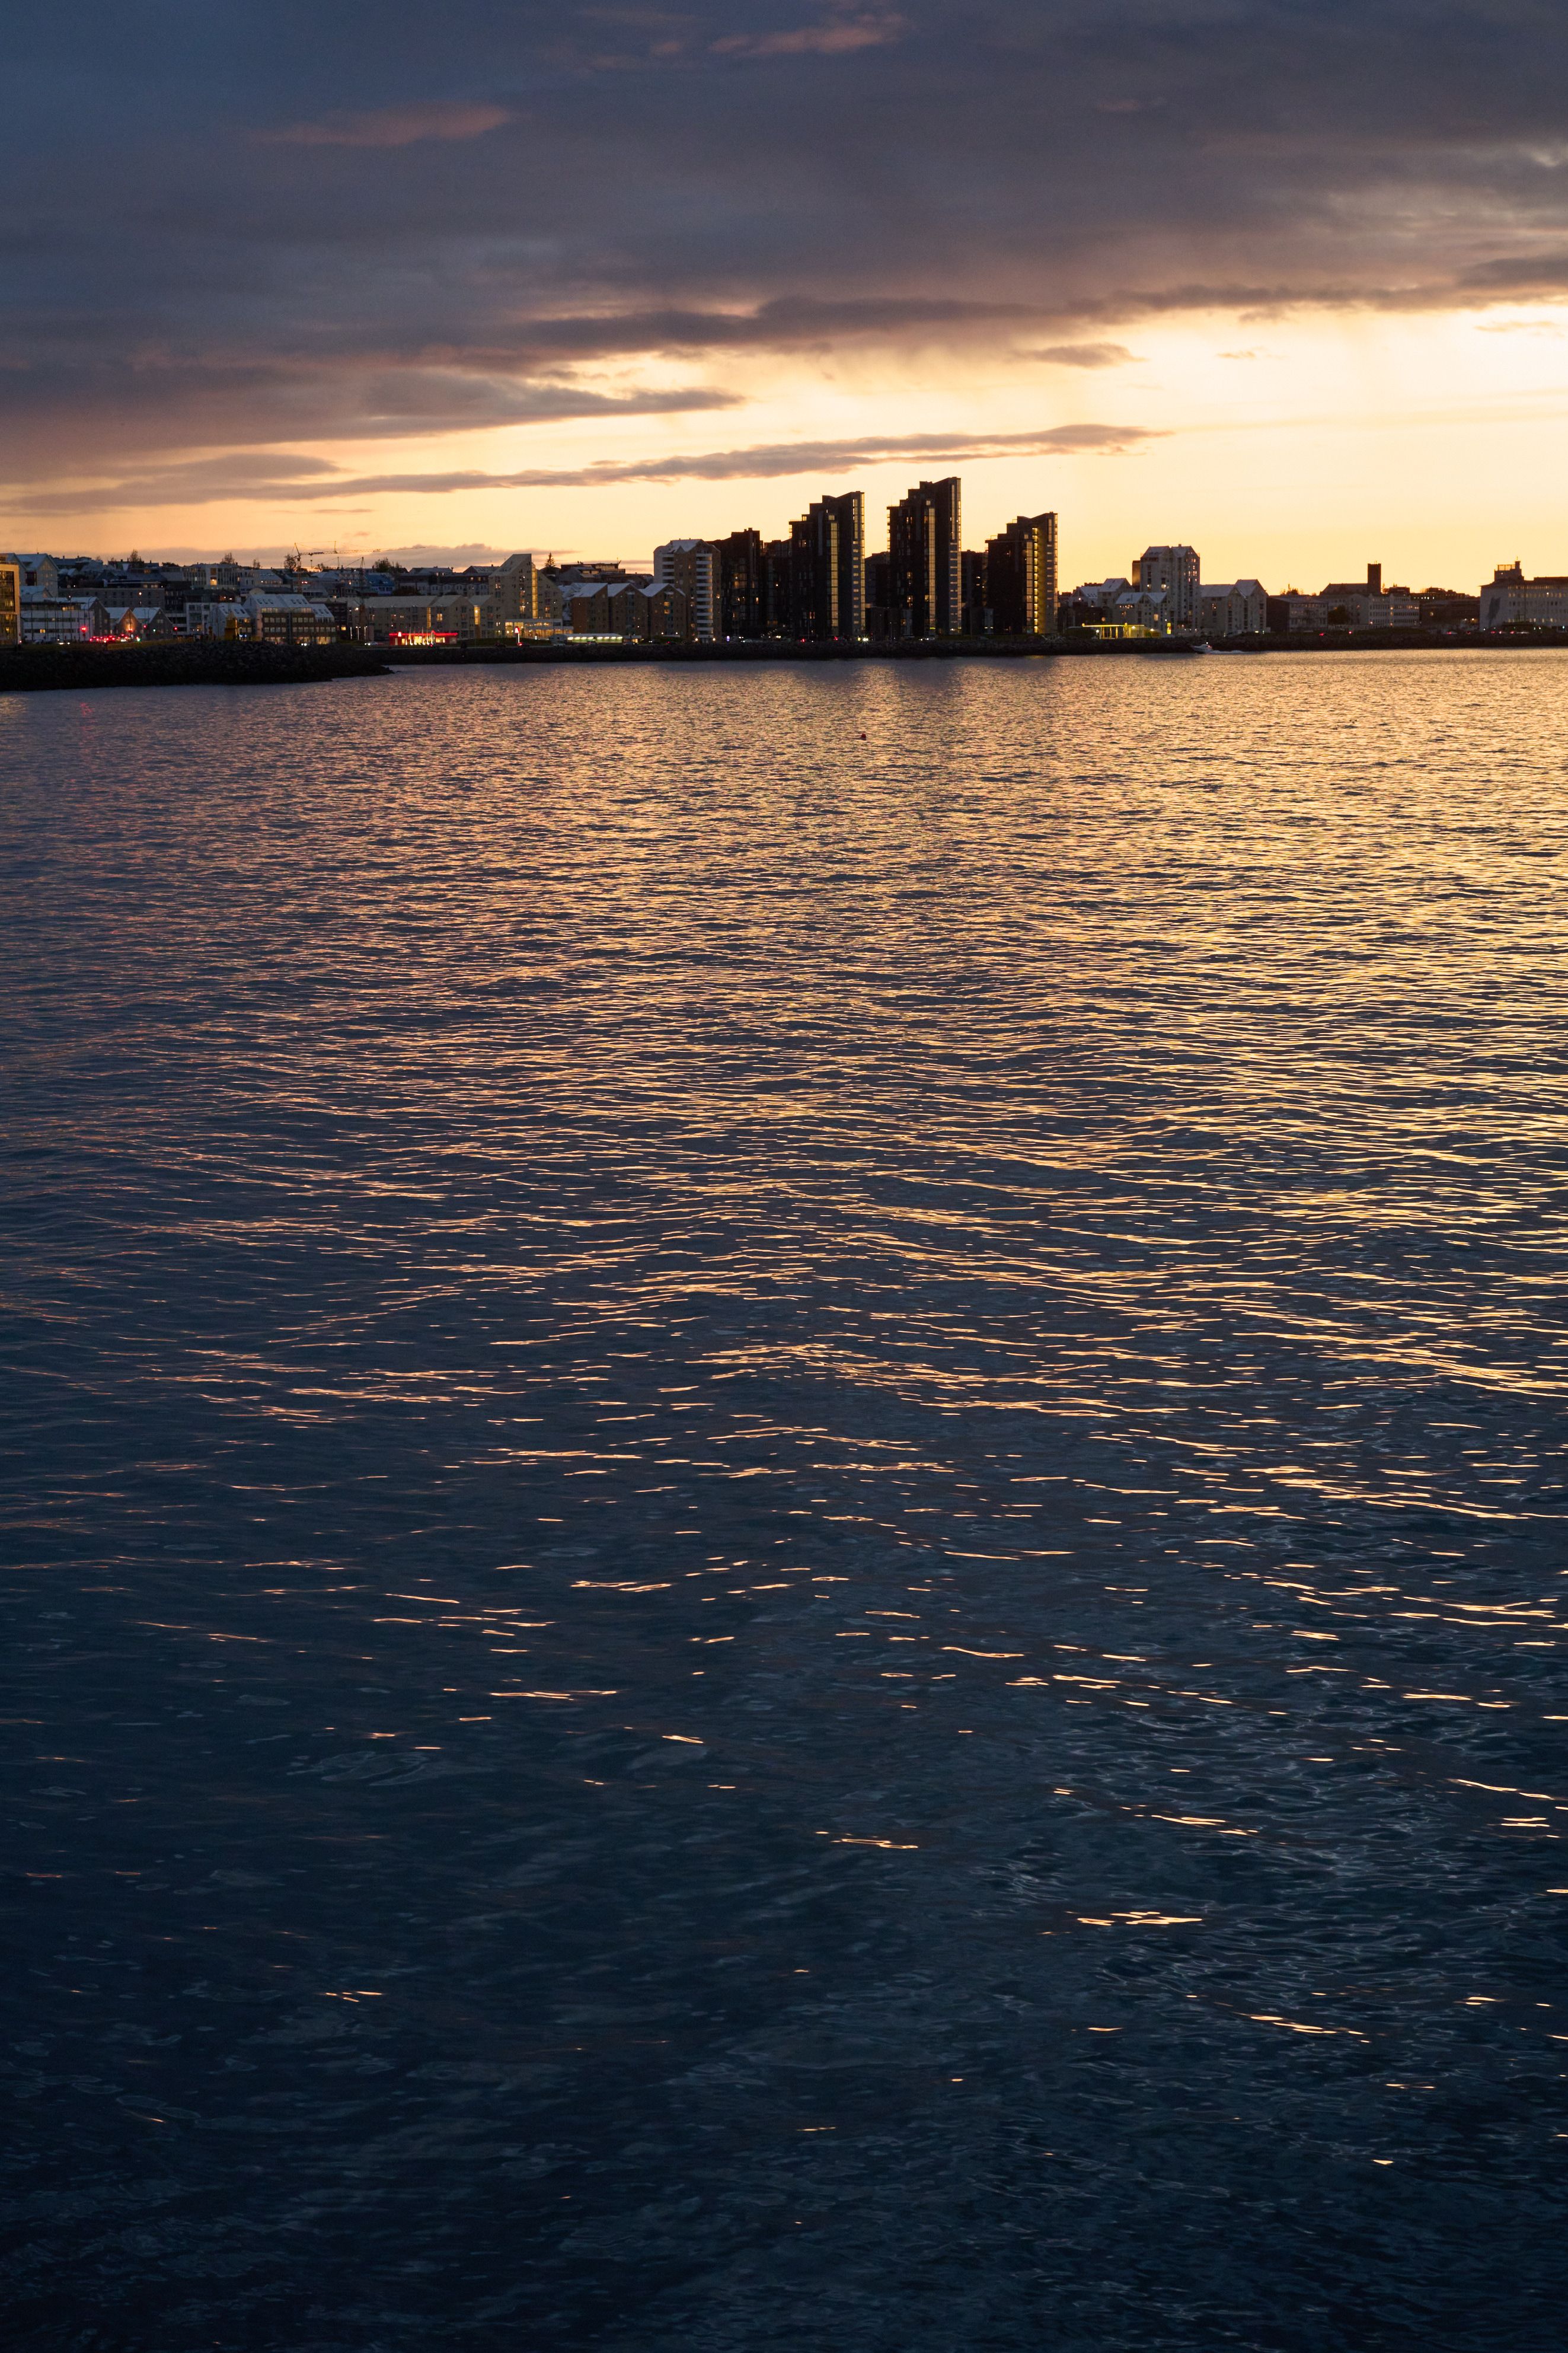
(785, 1508)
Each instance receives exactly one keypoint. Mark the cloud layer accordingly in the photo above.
(289, 480)
(262, 230)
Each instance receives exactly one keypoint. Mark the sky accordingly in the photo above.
(1288, 282)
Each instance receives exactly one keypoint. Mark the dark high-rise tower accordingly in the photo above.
(925, 542)
(741, 585)
(775, 588)
(827, 568)
(1021, 577)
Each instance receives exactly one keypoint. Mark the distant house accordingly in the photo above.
(138, 621)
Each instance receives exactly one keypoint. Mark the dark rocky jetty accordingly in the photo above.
(181, 661)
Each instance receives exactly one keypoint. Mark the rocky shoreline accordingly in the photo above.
(182, 662)
(205, 662)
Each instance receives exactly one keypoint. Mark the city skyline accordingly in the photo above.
(1261, 280)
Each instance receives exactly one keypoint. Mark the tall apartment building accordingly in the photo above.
(741, 585)
(881, 618)
(1176, 570)
(975, 571)
(1021, 577)
(515, 587)
(692, 566)
(925, 574)
(827, 569)
(10, 604)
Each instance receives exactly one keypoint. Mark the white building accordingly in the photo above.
(1175, 571)
(1509, 601)
(1125, 611)
(51, 620)
(692, 566)
(1101, 594)
(222, 618)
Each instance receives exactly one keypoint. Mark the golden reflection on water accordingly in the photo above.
(1067, 1153)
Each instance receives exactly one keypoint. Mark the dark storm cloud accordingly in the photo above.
(265, 228)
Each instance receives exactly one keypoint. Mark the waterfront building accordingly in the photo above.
(1238, 609)
(974, 610)
(925, 575)
(10, 602)
(827, 570)
(1368, 605)
(658, 612)
(692, 566)
(40, 571)
(1293, 614)
(555, 582)
(1448, 609)
(217, 616)
(1117, 609)
(137, 621)
(881, 621)
(775, 588)
(285, 618)
(589, 608)
(1021, 577)
(1509, 601)
(1090, 601)
(413, 619)
(51, 620)
(1175, 571)
(741, 585)
(1140, 612)
(514, 587)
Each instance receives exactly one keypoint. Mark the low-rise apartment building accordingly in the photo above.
(1509, 601)
(1237, 608)
(51, 620)
(425, 620)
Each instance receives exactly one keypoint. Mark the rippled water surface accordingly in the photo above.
(785, 1510)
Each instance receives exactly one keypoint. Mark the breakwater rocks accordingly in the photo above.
(181, 661)
(760, 650)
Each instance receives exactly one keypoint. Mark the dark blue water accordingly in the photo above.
(784, 1510)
